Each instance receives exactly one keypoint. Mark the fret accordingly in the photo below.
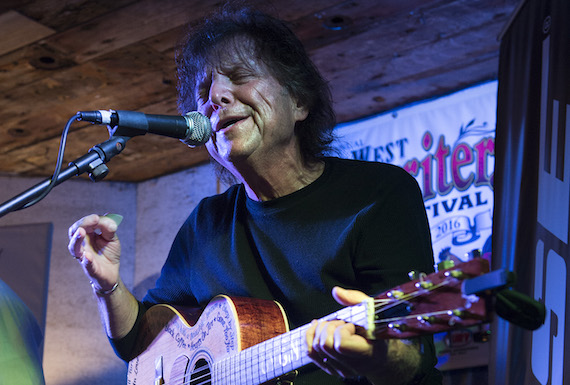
(303, 350)
(260, 358)
(218, 373)
(283, 354)
(243, 366)
(272, 362)
(254, 364)
(244, 373)
(234, 374)
(263, 361)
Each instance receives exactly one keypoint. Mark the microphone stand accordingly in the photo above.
(93, 162)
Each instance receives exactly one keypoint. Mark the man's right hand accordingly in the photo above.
(94, 243)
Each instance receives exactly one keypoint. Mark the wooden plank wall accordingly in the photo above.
(61, 57)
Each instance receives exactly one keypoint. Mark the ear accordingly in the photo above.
(301, 111)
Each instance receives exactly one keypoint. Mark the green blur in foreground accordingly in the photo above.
(20, 341)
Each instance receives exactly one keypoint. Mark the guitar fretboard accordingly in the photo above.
(280, 355)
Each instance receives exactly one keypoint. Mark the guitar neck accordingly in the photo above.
(429, 305)
(280, 355)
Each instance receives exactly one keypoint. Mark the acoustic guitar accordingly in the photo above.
(247, 341)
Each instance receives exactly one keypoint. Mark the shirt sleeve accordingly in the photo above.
(124, 347)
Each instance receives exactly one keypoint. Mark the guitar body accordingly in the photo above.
(179, 346)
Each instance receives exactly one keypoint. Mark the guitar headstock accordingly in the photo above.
(432, 303)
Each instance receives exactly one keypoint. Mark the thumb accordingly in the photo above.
(348, 297)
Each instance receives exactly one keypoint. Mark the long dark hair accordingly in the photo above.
(279, 49)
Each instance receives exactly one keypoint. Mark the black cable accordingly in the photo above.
(57, 170)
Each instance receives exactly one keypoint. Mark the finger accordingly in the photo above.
(330, 360)
(348, 297)
(310, 335)
(79, 249)
(86, 222)
(314, 351)
(76, 243)
(107, 227)
(338, 337)
(349, 344)
(324, 336)
(324, 343)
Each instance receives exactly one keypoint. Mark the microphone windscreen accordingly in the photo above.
(200, 129)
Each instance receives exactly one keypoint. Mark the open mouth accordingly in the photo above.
(230, 122)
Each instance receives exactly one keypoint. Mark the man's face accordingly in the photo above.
(253, 116)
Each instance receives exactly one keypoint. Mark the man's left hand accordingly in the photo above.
(335, 346)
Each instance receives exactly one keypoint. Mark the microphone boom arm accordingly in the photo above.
(93, 163)
(193, 129)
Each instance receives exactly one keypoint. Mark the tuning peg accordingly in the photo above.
(395, 294)
(421, 277)
(446, 264)
(455, 316)
(455, 274)
(425, 319)
(456, 313)
(430, 320)
(398, 327)
(424, 284)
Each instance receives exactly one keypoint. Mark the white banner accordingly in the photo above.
(448, 145)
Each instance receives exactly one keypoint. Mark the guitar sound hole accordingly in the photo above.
(201, 374)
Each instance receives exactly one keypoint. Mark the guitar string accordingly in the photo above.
(388, 304)
(356, 315)
(407, 297)
(412, 295)
(260, 378)
(272, 355)
(237, 373)
(235, 368)
(263, 354)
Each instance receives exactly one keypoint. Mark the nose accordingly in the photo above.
(220, 92)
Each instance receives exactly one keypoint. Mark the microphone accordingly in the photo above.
(194, 129)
